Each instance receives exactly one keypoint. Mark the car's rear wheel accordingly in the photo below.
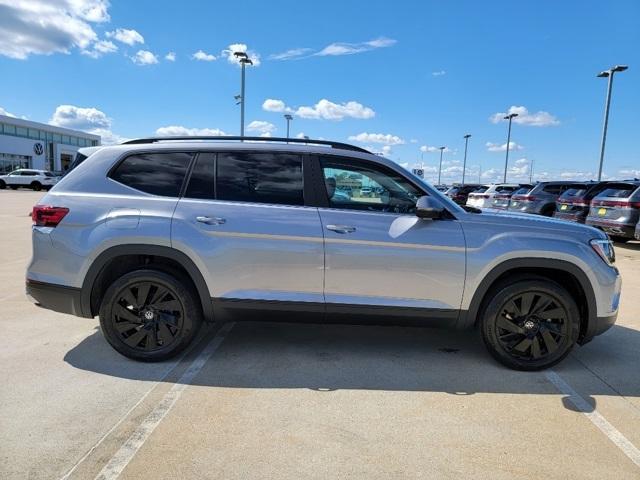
(13, 187)
(36, 186)
(530, 324)
(150, 315)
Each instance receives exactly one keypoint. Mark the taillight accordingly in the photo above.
(616, 203)
(47, 216)
(577, 202)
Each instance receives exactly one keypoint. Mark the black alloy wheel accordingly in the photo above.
(150, 315)
(530, 323)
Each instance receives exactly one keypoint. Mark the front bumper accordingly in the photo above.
(58, 298)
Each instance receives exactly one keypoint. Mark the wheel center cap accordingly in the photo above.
(529, 324)
(148, 315)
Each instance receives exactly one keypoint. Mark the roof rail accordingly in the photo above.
(342, 146)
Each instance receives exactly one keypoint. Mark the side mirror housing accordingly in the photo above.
(429, 208)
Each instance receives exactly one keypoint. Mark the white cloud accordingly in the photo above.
(292, 54)
(240, 47)
(496, 147)
(144, 57)
(8, 114)
(328, 110)
(130, 37)
(431, 149)
(300, 135)
(87, 119)
(386, 150)
(203, 56)
(79, 118)
(176, 130)
(99, 48)
(387, 138)
(339, 48)
(261, 126)
(44, 27)
(439, 73)
(537, 119)
(274, 105)
(629, 173)
(170, 57)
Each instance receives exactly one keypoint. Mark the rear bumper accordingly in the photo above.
(613, 228)
(571, 217)
(58, 298)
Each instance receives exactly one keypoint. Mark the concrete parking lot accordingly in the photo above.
(264, 400)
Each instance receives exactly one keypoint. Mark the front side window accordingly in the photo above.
(361, 186)
(273, 178)
(154, 173)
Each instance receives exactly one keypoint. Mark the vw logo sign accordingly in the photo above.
(38, 149)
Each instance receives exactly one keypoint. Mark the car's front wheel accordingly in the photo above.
(530, 323)
(36, 186)
(3, 185)
(150, 315)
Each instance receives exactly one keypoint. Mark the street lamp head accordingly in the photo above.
(467, 135)
(288, 116)
(240, 54)
(510, 116)
(441, 148)
(619, 68)
(246, 61)
(603, 74)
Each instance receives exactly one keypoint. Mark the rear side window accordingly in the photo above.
(553, 189)
(574, 192)
(522, 191)
(154, 173)
(274, 178)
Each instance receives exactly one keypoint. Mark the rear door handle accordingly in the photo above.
(341, 228)
(211, 220)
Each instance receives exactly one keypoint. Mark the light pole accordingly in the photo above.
(509, 117)
(464, 163)
(607, 73)
(531, 172)
(440, 167)
(288, 118)
(244, 61)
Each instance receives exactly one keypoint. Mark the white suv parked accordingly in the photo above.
(483, 197)
(28, 178)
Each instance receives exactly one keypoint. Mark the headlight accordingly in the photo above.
(604, 248)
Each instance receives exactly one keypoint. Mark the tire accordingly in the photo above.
(128, 326)
(36, 186)
(13, 187)
(548, 211)
(3, 185)
(516, 330)
(619, 239)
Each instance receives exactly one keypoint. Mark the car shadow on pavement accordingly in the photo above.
(334, 357)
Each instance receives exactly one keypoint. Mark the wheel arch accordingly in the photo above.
(569, 275)
(122, 259)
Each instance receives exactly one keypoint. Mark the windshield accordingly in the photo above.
(619, 191)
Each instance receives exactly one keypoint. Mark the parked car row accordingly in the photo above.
(611, 206)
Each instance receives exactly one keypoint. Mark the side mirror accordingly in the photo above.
(429, 208)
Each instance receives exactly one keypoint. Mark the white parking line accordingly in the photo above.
(128, 450)
(628, 448)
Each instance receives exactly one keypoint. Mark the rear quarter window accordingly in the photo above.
(155, 173)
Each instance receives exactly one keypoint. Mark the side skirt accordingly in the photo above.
(227, 309)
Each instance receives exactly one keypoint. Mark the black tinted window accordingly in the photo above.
(155, 173)
(574, 192)
(618, 191)
(202, 181)
(260, 177)
(522, 191)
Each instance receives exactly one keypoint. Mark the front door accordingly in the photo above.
(243, 218)
(378, 253)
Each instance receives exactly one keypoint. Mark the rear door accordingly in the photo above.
(243, 219)
(380, 257)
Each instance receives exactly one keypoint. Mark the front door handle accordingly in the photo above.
(341, 228)
(211, 220)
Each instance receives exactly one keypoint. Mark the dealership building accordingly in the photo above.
(27, 144)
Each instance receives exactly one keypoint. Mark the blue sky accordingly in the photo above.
(393, 76)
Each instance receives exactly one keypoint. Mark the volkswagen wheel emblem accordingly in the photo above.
(38, 149)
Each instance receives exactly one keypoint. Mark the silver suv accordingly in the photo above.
(158, 235)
